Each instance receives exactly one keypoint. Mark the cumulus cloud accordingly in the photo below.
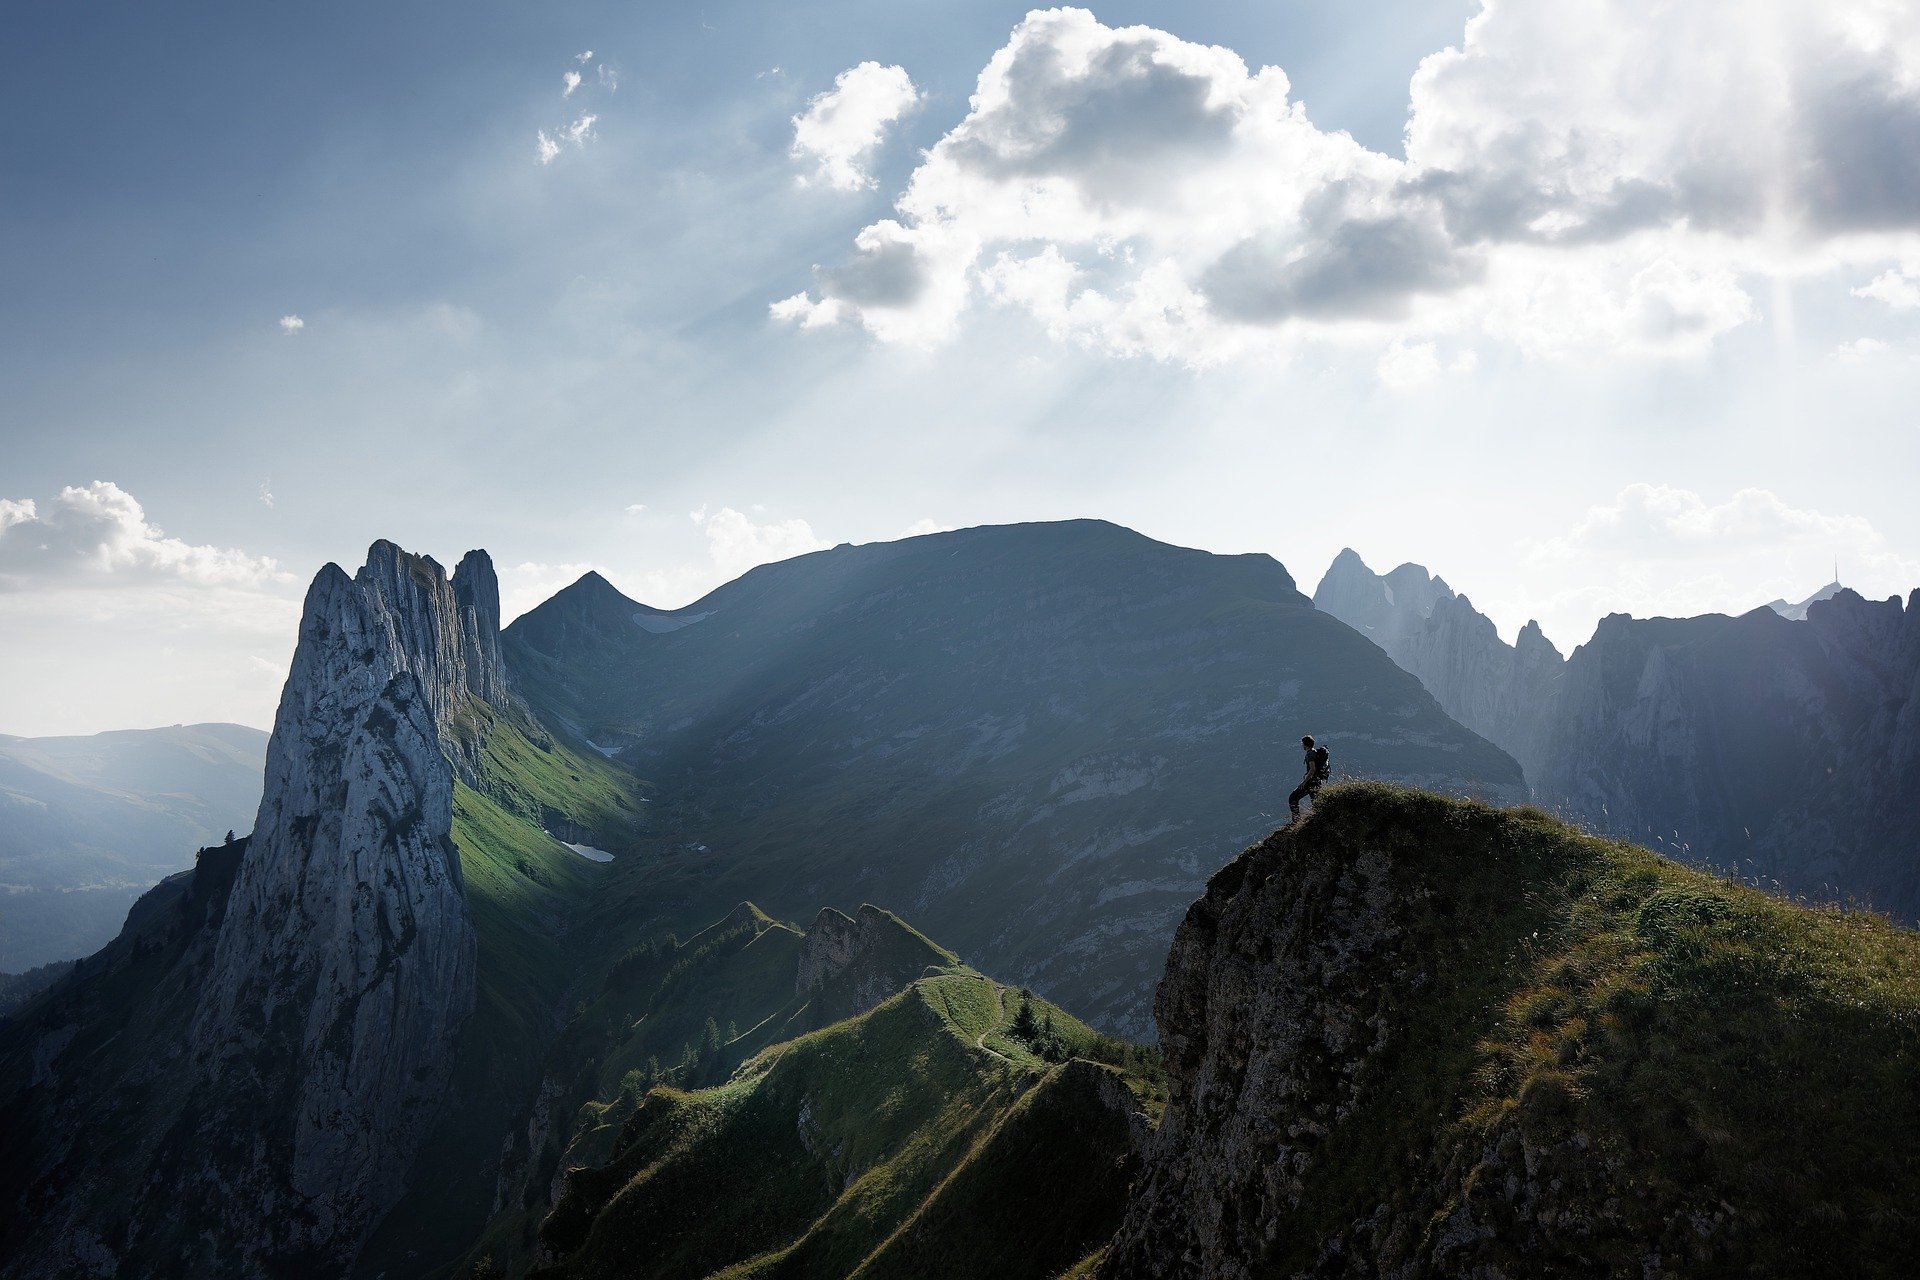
(842, 127)
(1596, 175)
(291, 325)
(1898, 287)
(568, 83)
(737, 543)
(98, 535)
(1657, 549)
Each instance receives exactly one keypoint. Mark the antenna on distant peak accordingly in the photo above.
(1836, 571)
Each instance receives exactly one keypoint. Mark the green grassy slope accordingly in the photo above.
(527, 891)
(874, 1136)
(1589, 1055)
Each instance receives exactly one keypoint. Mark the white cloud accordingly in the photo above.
(609, 78)
(583, 57)
(576, 135)
(1659, 550)
(924, 526)
(737, 543)
(1861, 349)
(99, 536)
(108, 622)
(569, 82)
(291, 325)
(842, 127)
(1597, 175)
(636, 508)
(1898, 287)
(266, 493)
(1408, 366)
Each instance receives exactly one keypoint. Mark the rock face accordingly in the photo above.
(269, 1041)
(849, 964)
(345, 967)
(1495, 689)
(1269, 1011)
(1779, 742)
(1784, 749)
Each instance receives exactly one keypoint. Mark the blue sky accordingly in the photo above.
(580, 363)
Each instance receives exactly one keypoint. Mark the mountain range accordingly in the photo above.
(505, 977)
(89, 823)
(1783, 744)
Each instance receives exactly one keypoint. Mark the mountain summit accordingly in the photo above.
(1030, 736)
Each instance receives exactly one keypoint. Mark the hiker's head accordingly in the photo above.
(1307, 741)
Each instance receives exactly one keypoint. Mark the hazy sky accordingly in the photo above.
(1594, 306)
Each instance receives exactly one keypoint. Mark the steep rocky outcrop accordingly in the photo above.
(1496, 689)
(345, 967)
(284, 1060)
(1415, 1037)
(848, 964)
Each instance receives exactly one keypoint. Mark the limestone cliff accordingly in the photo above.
(265, 1049)
(345, 967)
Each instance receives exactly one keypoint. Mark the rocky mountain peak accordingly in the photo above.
(344, 968)
(447, 633)
(848, 964)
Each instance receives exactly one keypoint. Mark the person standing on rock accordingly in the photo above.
(1317, 771)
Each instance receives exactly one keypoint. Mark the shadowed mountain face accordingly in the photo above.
(1787, 747)
(87, 824)
(1032, 738)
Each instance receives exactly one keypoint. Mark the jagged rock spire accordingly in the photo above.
(345, 965)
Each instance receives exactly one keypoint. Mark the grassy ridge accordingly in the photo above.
(1681, 1064)
(524, 888)
(878, 1134)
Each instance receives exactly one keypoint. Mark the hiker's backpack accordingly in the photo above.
(1321, 769)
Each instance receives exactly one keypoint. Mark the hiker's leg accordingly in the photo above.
(1293, 800)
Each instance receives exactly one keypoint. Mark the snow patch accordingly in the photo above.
(588, 852)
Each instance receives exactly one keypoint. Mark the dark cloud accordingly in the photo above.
(886, 272)
(1111, 125)
(1355, 268)
(1862, 146)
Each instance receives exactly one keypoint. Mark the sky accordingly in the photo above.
(1605, 306)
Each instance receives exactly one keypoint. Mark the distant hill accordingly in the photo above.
(1787, 748)
(1420, 1037)
(1030, 737)
(89, 823)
